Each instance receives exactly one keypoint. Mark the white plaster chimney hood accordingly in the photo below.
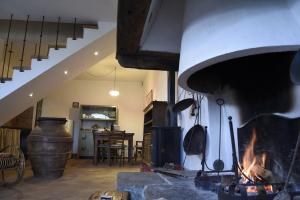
(215, 31)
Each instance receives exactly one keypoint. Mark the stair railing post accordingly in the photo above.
(57, 33)
(9, 58)
(35, 47)
(24, 43)
(74, 29)
(5, 50)
(41, 37)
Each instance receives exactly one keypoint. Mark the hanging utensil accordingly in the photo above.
(183, 104)
(193, 143)
(194, 107)
(219, 164)
(194, 140)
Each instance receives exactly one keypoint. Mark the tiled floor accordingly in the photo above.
(80, 180)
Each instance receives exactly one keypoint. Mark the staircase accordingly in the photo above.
(22, 41)
(40, 77)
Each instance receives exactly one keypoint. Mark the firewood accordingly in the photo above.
(265, 174)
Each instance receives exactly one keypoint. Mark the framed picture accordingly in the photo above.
(75, 104)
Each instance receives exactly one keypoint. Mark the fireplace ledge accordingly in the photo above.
(150, 185)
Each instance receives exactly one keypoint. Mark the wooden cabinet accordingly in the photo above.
(94, 117)
(86, 143)
(154, 115)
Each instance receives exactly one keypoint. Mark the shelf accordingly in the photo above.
(154, 115)
(148, 122)
(86, 130)
(93, 119)
(98, 113)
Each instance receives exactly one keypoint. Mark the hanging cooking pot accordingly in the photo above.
(295, 68)
(183, 104)
(194, 140)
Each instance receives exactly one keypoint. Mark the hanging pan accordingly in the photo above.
(194, 140)
(183, 104)
(193, 143)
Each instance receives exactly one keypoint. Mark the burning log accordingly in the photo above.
(263, 175)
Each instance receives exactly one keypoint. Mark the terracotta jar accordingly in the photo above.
(49, 147)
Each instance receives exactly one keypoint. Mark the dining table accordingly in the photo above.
(104, 135)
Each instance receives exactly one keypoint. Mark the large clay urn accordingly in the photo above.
(49, 147)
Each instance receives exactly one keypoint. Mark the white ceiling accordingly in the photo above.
(104, 70)
(87, 11)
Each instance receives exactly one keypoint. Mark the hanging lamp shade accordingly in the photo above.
(114, 92)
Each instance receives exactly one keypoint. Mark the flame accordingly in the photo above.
(254, 167)
(253, 164)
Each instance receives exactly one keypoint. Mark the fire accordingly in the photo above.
(254, 167)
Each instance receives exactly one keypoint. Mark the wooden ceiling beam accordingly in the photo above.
(150, 60)
(132, 15)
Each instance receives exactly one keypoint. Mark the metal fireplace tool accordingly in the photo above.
(211, 178)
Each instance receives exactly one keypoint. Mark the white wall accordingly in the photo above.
(129, 102)
(158, 82)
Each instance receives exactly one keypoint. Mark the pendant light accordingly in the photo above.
(114, 92)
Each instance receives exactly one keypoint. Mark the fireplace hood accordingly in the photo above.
(222, 40)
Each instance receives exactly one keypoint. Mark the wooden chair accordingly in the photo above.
(12, 159)
(100, 147)
(114, 147)
(138, 149)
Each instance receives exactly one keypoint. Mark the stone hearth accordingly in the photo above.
(150, 186)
